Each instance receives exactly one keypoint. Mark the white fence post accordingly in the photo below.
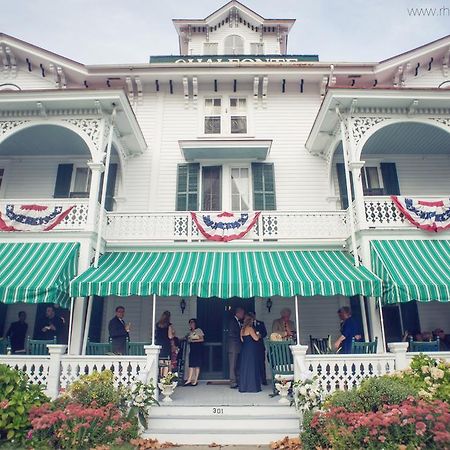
(54, 369)
(299, 354)
(151, 364)
(399, 350)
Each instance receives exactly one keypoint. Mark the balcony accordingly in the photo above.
(381, 213)
(76, 220)
(277, 226)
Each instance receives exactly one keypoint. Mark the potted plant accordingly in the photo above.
(167, 385)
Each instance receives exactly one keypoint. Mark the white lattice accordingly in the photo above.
(340, 372)
(361, 125)
(273, 225)
(75, 220)
(8, 125)
(126, 369)
(36, 367)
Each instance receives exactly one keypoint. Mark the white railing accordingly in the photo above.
(272, 226)
(381, 212)
(75, 220)
(36, 367)
(339, 372)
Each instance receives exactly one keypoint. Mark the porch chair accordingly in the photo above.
(137, 348)
(320, 346)
(280, 359)
(419, 346)
(39, 346)
(364, 348)
(98, 348)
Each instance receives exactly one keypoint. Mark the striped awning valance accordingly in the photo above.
(226, 274)
(413, 269)
(37, 272)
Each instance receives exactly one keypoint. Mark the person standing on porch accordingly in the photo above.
(119, 332)
(284, 326)
(261, 331)
(53, 326)
(17, 332)
(249, 368)
(195, 338)
(349, 330)
(164, 336)
(234, 345)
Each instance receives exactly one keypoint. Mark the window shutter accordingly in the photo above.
(95, 327)
(187, 187)
(390, 179)
(63, 180)
(340, 167)
(264, 198)
(111, 187)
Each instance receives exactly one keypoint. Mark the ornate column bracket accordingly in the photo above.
(356, 165)
(361, 125)
(6, 126)
(90, 128)
(442, 120)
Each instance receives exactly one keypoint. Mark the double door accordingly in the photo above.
(214, 316)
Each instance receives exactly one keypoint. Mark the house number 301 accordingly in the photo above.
(217, 410)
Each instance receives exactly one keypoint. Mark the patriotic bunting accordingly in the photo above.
(224, 226)
(32, 217)
(427, 215)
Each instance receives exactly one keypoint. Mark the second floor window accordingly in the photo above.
(225, 117)
(257, 48)
(213, 115)
(81, 180)
(210, 48)
(234, 45)
(371, 180)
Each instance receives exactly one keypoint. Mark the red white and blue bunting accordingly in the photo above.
(32, 217)
(427, 215)
(225, 226)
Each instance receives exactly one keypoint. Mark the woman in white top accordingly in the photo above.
(195, 337)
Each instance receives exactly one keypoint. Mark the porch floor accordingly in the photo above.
(220, 395)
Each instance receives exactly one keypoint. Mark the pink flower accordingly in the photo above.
(4, 404)
(420, 428)
(382, 438)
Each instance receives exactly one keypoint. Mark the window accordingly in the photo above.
(371, 180)
(187, 187)
(238, 115)
(263, 187)
(212, 188)
(257, 48)
(81, 180)
(213, 114)
(240, 195)
(210, 48)
(234, 45)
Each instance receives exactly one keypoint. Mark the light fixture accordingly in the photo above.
(182, 305)
(269, 304)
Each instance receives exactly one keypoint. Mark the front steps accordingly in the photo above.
(225, 425)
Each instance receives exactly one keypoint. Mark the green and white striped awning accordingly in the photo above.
(37, 272)
(226, 274)
(413, 270)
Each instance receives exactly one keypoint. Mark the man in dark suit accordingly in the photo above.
(261, 330)
(17, 332)
(119, 332)
(234, 345)
(53, 326)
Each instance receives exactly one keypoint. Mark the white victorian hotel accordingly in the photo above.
(114, 180)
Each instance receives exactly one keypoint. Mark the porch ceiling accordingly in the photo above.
(326, 124)
(44, 140)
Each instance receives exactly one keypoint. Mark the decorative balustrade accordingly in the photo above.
(381, 212)
(74, 221)
(272, 226)
(36, 367)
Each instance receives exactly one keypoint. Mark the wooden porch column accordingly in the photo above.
(93, 208)
(360, 212)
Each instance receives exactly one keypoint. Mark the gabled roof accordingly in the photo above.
(225, 9)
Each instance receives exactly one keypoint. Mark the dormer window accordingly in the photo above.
(234, 45)
(257, 48)
(225, 115)
(210, 48)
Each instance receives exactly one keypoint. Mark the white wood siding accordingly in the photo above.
(427, 78)
(31, 80)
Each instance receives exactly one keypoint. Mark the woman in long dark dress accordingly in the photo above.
(195, 338)
(164, 335)
(249, 375)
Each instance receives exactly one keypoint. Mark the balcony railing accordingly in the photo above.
(272, 226)
(76, 220)
(381, 212)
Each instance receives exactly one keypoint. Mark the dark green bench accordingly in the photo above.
(280, 358)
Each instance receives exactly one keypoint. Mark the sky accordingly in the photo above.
(117, 32)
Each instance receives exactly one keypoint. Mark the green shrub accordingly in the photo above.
(17, 396)
(429, 376)
(311, 439)
(372, 394)
(97, 387)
